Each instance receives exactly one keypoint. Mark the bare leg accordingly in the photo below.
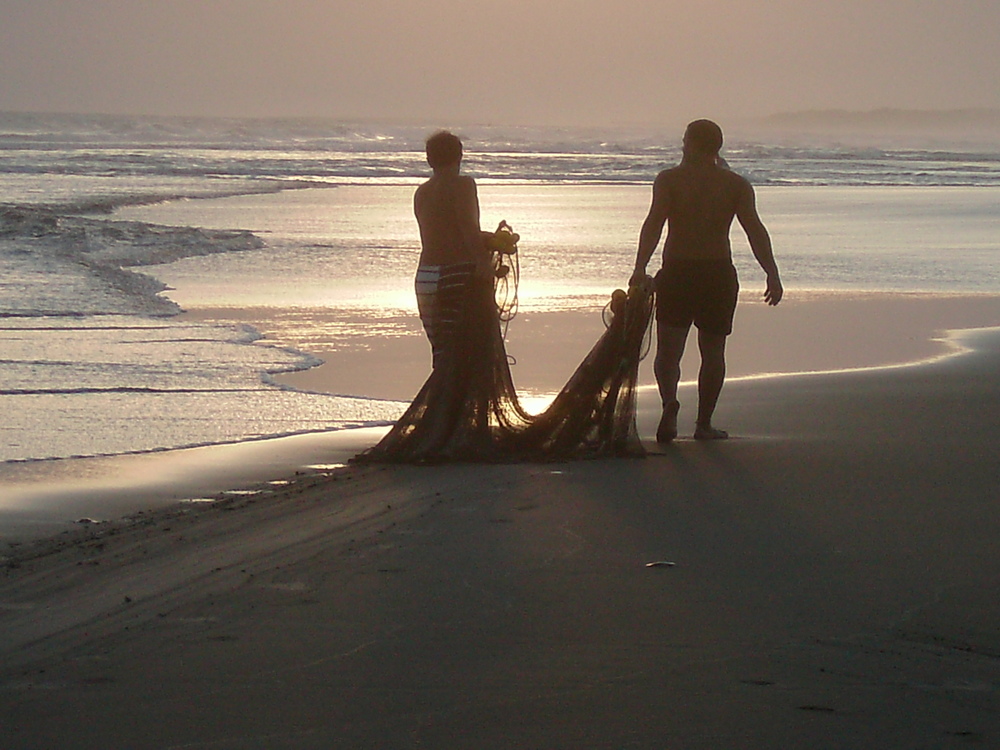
(670, 342)
(711, 376)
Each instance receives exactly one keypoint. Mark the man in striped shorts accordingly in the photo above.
(452, 247)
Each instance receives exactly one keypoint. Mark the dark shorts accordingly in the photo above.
(702, 292)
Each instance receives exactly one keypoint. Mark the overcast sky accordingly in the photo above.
(597, 62)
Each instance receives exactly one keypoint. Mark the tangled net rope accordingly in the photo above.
(506, 271)
(468, 409)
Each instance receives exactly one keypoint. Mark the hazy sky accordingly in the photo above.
(487, 61)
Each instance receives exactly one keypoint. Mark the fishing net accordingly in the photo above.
(468, 409)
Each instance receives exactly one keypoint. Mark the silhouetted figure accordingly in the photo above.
(452, 247)
(468, 409)
(697, 284)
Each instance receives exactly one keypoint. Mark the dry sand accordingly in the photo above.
(833, 582)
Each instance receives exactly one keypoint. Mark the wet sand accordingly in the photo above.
(367, 353)
(827, 579)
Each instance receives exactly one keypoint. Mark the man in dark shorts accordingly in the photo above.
(697, 200)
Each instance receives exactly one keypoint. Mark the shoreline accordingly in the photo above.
(46, 498)
(804, 335)
(811, 331)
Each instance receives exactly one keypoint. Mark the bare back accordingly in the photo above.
(699, 201)
(447, 211)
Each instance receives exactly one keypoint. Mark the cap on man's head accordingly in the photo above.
(704, 136)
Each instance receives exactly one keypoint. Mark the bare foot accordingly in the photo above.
(667, 429)
(707, 432)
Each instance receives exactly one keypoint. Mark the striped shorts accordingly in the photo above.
(440, 298)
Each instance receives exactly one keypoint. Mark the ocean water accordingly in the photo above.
(110, 225)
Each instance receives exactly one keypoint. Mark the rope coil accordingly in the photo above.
(506, 270)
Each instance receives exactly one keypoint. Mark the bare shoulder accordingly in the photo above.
(420, 196)
(455, 185)
(737, 185)
(737, 179)
(668, 176)
(666, 182)
(465, 184)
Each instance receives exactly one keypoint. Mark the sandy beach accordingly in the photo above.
(388, 358)
(825, 579)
